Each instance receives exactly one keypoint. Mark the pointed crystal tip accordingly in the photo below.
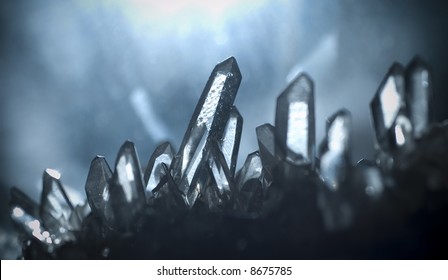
(52, 173)
(228, 65)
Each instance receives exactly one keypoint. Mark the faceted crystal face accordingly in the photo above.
(419, 95)
(230, 141)
(163, 154)
(334, 151)
(97, 187)
(294, 121)
(55, 207)
(126, 189)
(209, 120)
(387, 104)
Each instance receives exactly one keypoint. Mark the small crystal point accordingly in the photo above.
(153, 174)
(231, 138)
(419, 95)
(97, 187)
(267, 146)
(387, 107)
(335, 150)
(295, 123)
(208, 122)
(126, 189)
(249, 184)
(55, 206)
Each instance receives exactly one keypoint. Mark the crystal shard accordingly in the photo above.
(126, 189)
(220, 173)
(267, 146)
(55, 207)
(231, 138)
(154, 172)
(249, 184)
(419, 96)
(97, 188)
(335, 150)
(208, 122)
(392, 126)
(294, 121)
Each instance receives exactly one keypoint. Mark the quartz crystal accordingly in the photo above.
(162, 154)
(335, 150)
(294, 121)
(389, 113)
(126, 189)
(56, 210)
(284, 199)
(208, 122)
(268, 149)
(249, 184)
(97, 188)
(419, 97)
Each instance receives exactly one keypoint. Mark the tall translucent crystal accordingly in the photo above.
(294, 121)
(126, 189)
(162, 154)
(97, 188)
(208, 122)
(389, 113)
(230, 142)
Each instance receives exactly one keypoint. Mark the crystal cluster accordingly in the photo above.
(330, 193)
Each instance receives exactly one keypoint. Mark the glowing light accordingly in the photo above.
(18, 212)
(53, 173)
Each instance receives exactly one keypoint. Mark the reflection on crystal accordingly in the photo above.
(208, 122)
(24, 214)
(55, 206)
(294, 121)
(153, 173)
(126, 189)
(97, 188)
(230, 142)
(335, 150)
(371, 178)
(419, 96)
(220, 171)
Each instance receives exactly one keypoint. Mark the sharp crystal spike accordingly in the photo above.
(267, 147)
(126, 189)
(97, 188)
(249, 184)
(208, 122)
(162, 154)
(294, 121)
(335, 150)
(419, 95)
(231, 138)
(55, 207)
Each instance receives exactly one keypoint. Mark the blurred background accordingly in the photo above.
(78, 78)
